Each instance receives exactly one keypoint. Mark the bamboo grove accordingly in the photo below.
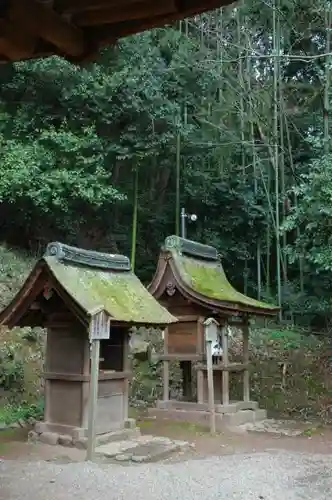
(226, 114)
(266, 136)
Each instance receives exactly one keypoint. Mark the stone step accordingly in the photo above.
(142, 449)
(118, 436)
(279, 427)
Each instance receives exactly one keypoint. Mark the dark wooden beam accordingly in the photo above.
(193, 7)
(72, 6)
(15, 44)
(112, 15)
(43, 22)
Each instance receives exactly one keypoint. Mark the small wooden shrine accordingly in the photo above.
(64, 290)
(191, 283)
(77, 29)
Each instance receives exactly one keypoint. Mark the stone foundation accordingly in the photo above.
(227, 416)
(54, 434)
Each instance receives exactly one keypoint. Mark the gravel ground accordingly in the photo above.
(267, 476)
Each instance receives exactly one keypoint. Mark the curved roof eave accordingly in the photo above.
(21, 300)
(213, 304)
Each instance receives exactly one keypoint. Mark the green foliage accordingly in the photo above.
(11, 369)
(13, 413)
(290, 373)
(14, 268)
(313, 215)
(72, 138)
(21, 365)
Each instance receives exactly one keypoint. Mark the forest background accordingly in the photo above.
(226, 115)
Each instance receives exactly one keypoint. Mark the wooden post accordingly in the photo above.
(225, 373)
(200, 386)
(126, 368)
(93, 398)
(99, 329)
(166, 368)
(186, 380)
(210, 386)
(246, 382)
(166, 381)
(200, 351)
(211, 335)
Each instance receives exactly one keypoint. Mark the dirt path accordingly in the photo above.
(14, 446)
(319, 441)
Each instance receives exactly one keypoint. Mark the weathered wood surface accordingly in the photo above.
(77, 29)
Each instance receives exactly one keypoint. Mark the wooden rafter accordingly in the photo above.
(77, 29)
(14, 42)
(72, 6)
(118, 14)
(45, 23)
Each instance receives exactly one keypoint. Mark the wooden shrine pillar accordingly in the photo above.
(200, 373)
(225, 372)
(186, 380)
(128, 369)
(246, 383)
(166, 368)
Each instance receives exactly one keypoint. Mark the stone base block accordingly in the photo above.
(49, 438)
(232, 407)
(56, 434)
(202, 417)
(244, 417)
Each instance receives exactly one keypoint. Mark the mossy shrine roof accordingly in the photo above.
(199, 275)
(87, 281)
(77, 29)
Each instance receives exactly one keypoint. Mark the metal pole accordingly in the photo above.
(183, 222)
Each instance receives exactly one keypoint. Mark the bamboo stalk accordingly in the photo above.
(178, 172)
(328, 22)
(254, 164)
(134, 228)
(276, 82)
(298, 231)
(242, 131)
(220, 56)
(282, 162)
(177, 189)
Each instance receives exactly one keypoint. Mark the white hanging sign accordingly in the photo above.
(211, 331)
(100, 325)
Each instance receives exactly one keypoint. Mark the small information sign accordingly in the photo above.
(100, 326)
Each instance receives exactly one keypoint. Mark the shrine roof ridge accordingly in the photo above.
(191, 248)
(87, 258)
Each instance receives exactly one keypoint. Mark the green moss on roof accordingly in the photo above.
(121, 293)
(209, 279)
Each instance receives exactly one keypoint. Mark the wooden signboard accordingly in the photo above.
(182, 338)
(100, 325)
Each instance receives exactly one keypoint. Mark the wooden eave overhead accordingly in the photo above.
(77, 29)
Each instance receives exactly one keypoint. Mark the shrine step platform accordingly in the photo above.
(80, 440)
(141, 449)
(226, 416)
